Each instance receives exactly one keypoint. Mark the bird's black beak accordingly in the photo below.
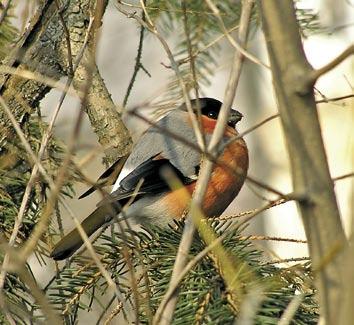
(234, 118)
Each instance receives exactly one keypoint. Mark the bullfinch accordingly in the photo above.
(144, 192)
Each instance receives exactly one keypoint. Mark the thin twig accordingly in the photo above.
(288, 315)
(175, 68)
(101, 268)
(339, 178)
(32, 156)
(206, 47)
(233, 42)
(4, 9)
(38, 77)
(334, 99)
(138, 64)
(287, 260)
(164, 314)
(250, 305)
(248, 212)
(331, 65)
(251, 129)
(146, 14)
(270, 238)
(193, 12)
(190, 50)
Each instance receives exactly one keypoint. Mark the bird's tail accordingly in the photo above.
(72, 241)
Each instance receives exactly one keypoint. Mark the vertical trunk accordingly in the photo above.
(293, 83)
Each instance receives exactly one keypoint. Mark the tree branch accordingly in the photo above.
(44, 50)
(165, 315)
(293, 83)
(331, 65)
(335, 99)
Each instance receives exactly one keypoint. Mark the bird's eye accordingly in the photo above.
(212, 114)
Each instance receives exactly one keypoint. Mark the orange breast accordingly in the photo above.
(226, 180)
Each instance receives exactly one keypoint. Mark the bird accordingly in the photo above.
(169, 143)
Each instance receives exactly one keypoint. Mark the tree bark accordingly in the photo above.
(44, 49)
(293, 83)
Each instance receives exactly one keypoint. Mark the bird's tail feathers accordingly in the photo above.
(73, 241)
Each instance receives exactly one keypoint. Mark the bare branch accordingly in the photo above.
(289, 240)
(331, 65)
(175, 68)
(339, 178)
(293, 80)
(232, 41)
(251, 129)
(334, 99)
(4, 11)
(38, 77)
(164, 314)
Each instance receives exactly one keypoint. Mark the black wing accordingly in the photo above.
(108, 177)
(146, 178)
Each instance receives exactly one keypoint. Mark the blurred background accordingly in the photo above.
(118, 41)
